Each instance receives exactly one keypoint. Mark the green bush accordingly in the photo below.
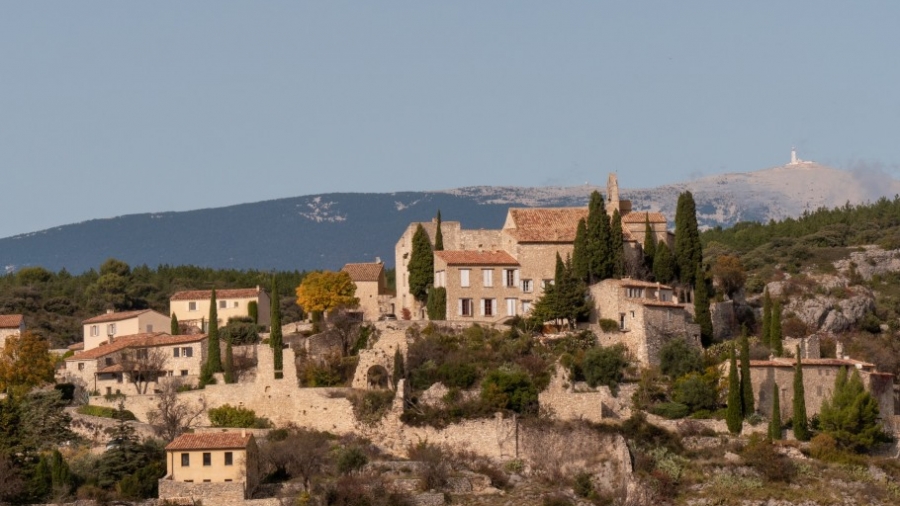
(106, 412)
(762, 457)
(605, 366)
(370, 406)
(670, 410)
(698, 392)
(678, 358)
(236, 417)
(351, 459)
(583, 486)
(607, 325)
(510, 390)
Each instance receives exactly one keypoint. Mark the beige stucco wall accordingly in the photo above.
(151, 321)
(217, 471)
(4, 333)
(499, 292)
(236, 307)
(367, 292)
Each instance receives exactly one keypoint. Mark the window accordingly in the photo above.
(108, 361)
(228, 459)
(465, 307)
(175, 352)
(95, 330)
(184, 372)
(439, 279)
(80, 366)
(511, 307)
(169, 373)
(149, 328)
(526, 306)
(206, 481)
(192, 306)
(634, 293)
(142, 353)
(527, 286)
(511, 278)
(487, 307)
(487, 277)
(207, 459)
(464, 278)
(236, 304)
(622, 321)
(108, 390)
(223, 304)
(185, 460)
(187, 352)
(111, 329)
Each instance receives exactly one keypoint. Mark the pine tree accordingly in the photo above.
(746, 383)
(174, 326)
(851, 415)
(663, 264)
(580, 258)
(421, 265)
(649, 244)
(616, 246)
(775, 421)
(571, 294)
(438, 235)
(733, 417)
(702, 314)
(766, 320)
(214, 354)
(688, 250)
(229, 362)
(275, 339)
(775, 330)
(61, 476)
(798, 418)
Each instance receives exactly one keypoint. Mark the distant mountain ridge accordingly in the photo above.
(328, 230)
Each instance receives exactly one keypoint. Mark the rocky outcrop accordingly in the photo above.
(830, 314)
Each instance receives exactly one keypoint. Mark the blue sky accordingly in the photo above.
(110, 108)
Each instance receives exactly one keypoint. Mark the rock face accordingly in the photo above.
(830, 314)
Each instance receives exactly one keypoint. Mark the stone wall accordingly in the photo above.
(97, 429)
(564, 402)
(391, 337)
(218, 493)
(724, 320)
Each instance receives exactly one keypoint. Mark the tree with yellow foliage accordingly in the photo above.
(325, 291)
(25, 361)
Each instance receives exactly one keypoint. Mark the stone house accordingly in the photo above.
(192, 307)
(214, 467)
(819, 375)
(110, 325)
(481, 285)
(10, 325)
(146, 358)
(371, 289)
(647, 316)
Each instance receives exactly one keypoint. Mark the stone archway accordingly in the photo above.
(377, 377)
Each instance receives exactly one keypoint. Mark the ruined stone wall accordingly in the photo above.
(809, 346)
(391, 337)
(321, 345)
(564, 402)
(97, 429)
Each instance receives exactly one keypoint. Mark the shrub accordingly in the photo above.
(605, 366)
(556, 500)
(698, 391)
(435, 469)
(607, 325)
(762, 457)
(351, 459)
(106, 412)
(370, 406)
(236, 417)
(510, 390)
(583, 486)
(678, 358)
(670, 410)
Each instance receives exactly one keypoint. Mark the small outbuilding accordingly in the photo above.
(211, 466)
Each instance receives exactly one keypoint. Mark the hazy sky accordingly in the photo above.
(110, 108)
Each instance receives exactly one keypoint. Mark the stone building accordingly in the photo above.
(647, 315)
(10, 325)
(192, 307)
(110, 325)
(112, 367)
(371, 289)
(818, 383)
(481, 285)
(212, 467)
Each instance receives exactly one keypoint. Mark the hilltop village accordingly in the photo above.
(588, 349)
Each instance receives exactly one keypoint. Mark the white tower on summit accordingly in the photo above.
(794, 160)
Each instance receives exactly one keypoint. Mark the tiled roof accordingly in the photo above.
(112, 368)
(364, 272)
(210, 441)
(136, 341)
(643, 216)
(227, 293)
(115, 317)
(76, 346)
(476, 257)
(546, 224)
(11, 321)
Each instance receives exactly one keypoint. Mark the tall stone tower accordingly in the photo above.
(612, 193)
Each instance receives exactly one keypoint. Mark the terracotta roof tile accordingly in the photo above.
(136, 341)
(11, 321)
(227, 293)
(546, 224)
(643, 216)
(115, 317)
(76, 346)
(364, 272)
(476, 257)
(210, 441)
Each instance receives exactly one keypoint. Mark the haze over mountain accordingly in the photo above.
(325, 231)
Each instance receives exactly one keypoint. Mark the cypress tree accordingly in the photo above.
(688, 250)
(580, 259)
(229, 362)
(775, 330)
(253, 311)
(174, 330)
(61, 476)
(746, 383)
(275, 339)
(399, 370)
(767, 320)
(663, 264)
(41, 483)
(616, 246)
(437, 303)
(571, 294)
(733, 418)
(438, 235)
(775, 421)
(799, 420)
(598, 239)
(701, 310)
(214, 355)
(421, 265)
(649, 244)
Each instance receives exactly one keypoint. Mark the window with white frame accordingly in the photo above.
(526, 307)
(511, 306)
(111, 329)
(187, 352)
(95, 330)
(487, 276)
(439, 280)
(192, 306)
(511, 278)
(634, 293)
(465, 307)
(527, 285)
(487, 307)
(464, 278)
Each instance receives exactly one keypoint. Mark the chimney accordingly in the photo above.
(378, 260)
(243, 433)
